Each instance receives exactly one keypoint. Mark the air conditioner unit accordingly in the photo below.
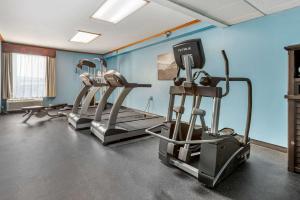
(17, 104)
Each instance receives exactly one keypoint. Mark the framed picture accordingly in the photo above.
(166, 66)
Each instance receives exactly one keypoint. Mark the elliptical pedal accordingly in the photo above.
(227, 131)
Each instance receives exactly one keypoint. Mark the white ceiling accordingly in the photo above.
(229, 12)
(53, 23)
(272, 6)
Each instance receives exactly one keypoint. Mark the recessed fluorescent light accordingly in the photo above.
(116, 10)
(84, 37)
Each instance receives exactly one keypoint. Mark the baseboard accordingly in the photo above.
(270, 146)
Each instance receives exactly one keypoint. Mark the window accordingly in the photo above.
(29, 76)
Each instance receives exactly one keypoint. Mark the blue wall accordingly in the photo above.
(68, 83)
(255, 50)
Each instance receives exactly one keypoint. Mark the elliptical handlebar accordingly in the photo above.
(179, 142)
(216, 80)
(227, 88)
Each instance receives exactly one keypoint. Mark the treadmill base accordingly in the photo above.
(79, 122)
(119, 134)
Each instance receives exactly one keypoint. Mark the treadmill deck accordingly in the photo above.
(124, 128)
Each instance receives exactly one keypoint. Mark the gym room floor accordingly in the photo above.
(48, 160)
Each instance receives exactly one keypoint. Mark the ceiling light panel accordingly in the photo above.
(84, 37)
(115, 10)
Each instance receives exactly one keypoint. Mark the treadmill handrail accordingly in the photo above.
(85, 90)
(127, 88)
(79, 97)
(134, 85)
(149, 130)
(87, 100)
(112, 121)
(102, 103)
(96, 84)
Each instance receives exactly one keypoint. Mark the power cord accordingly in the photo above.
(147, 107)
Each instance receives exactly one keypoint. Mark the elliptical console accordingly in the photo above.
(188, 55)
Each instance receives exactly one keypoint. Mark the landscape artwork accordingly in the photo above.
(167, 68)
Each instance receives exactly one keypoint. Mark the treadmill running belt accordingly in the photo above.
(140, 124)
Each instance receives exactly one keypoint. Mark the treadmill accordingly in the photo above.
(81, 117)
(118, 127)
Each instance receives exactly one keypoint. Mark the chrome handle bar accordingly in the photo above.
(149, 130)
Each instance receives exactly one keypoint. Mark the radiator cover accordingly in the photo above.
(17, 104)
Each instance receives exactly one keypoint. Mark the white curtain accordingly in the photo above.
(29, 76)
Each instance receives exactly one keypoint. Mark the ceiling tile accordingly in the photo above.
(228, 11)
(271, 6)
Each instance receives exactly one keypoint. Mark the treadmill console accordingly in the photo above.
(115, 79)
(85, 62)
(85, 78)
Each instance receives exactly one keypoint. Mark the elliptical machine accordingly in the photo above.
(209, 154)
